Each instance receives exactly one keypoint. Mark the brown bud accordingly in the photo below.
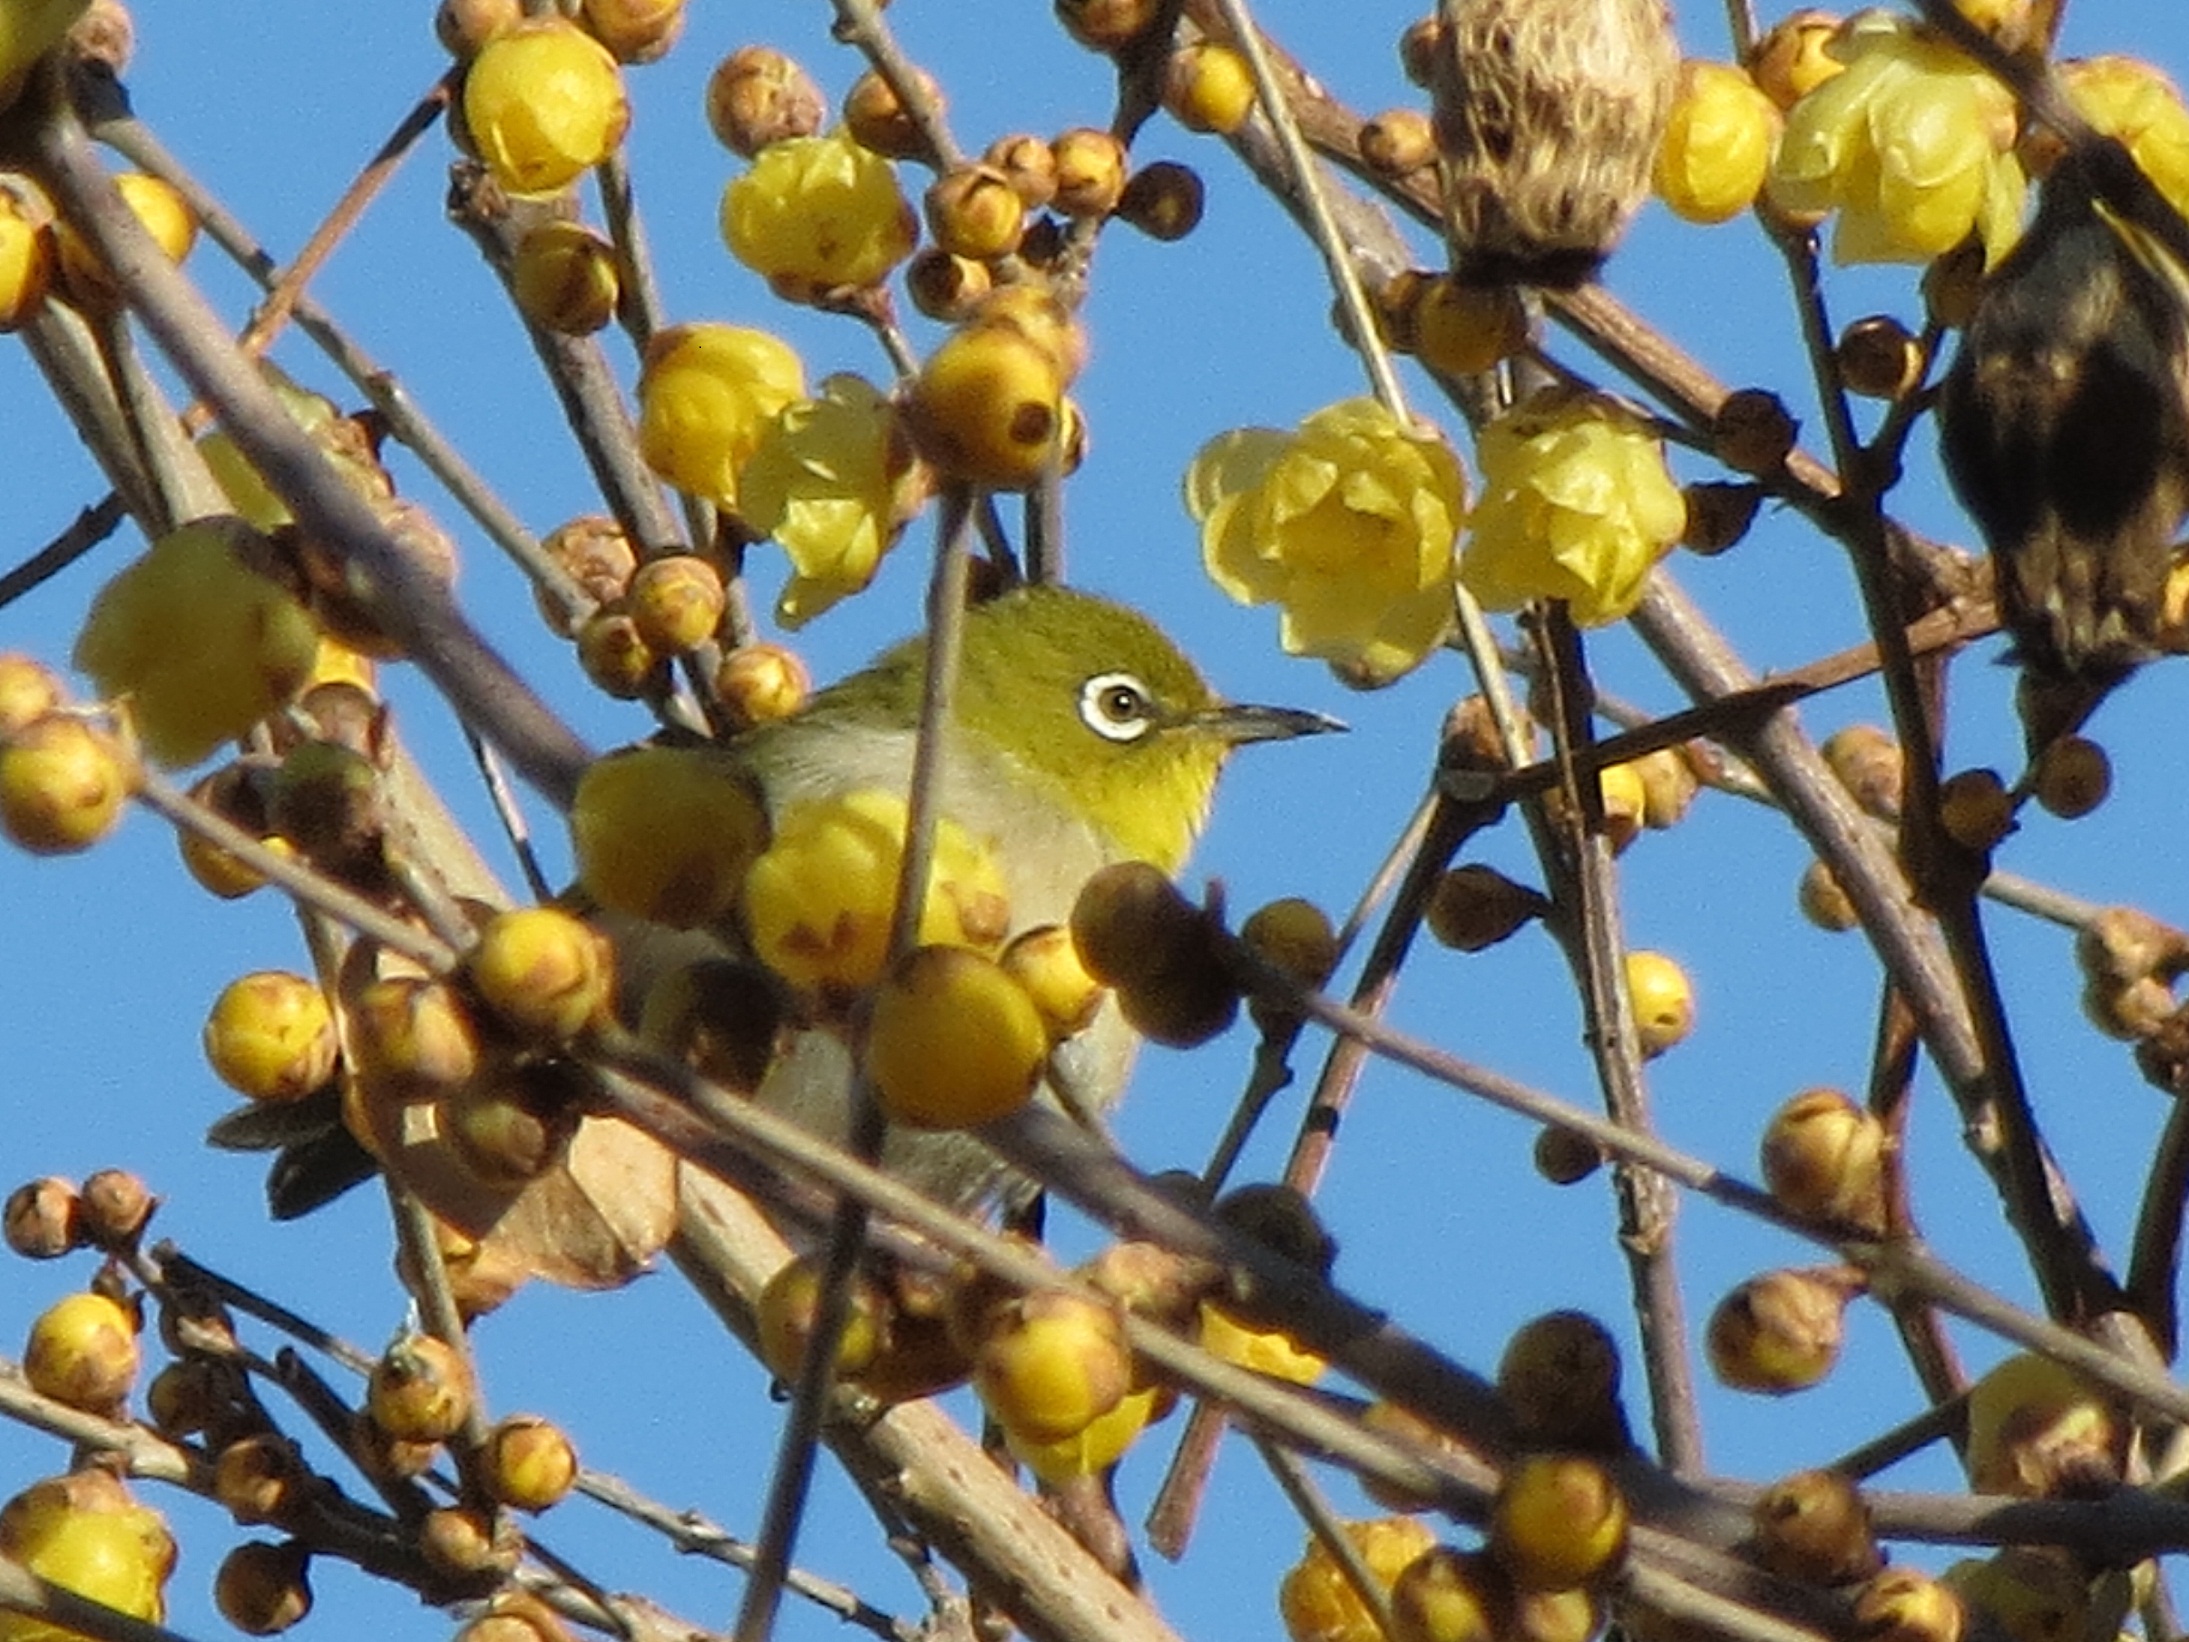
(1878, 358)
(468, 1546)
(974, 211)
(1824, 902)
(1029, 163)
(420, 1390)
(594, 552)
(463, 26)
(757, 95)
(263, 1589)
(1090, 172)
(1902, 1604)
(944, 287)
(528, 1463)
(635, 31)
(1421, 47)
(1559, 1378)
(2122, 944)
(1753, 432)
(1719, 513)
(878, 121)
(113, 1207)
(1474, 906)
(261, 1477)
(2072, 776)
(1814, 1527)
(1975, 809)
(1163, 200)
(41, 1218)
(1566, 1157)
(1107, 25)
(1558, 1521)
(1867, 761)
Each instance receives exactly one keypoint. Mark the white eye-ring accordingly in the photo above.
(1116, 707)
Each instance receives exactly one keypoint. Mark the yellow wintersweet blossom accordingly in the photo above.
(1717, 143)
(2135, 103)
(1576, 505)
(834, 485)
(1350, 523)
(816, 213)
(1912, 146)
(707, 396)
(819, 900)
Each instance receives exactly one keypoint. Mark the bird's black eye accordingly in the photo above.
(1116, 707)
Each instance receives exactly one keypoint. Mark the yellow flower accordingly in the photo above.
(707, 396)
(1912, 146)
(1717, 144)
(1576, 505)
(2134, 102)
(830, 483)
(818, 901)
(1350, 524)
(814, 213)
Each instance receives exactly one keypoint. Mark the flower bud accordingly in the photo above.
(636, 31)
(1558, 1521)
(2072, 776)
(1718, 515)
(1814, 1527)
(1781, 1332)
(413, 1038)
(514, 1123)
(63, 783)
(1462, 329)
(1474, 906)
(1045, 961)
(789, 1310)
(1824, 902)
(1296, 936)
(757, 95)
(1878, 358)
(545, 974)
(1975, 809)
(2121, 944)
(1824, 1158)
(1565, 1157)
(563, 278)
(420, 1390)
(1867, 761)
(271, 1036)
(1398, 142)
(1662, 999)
(879, 122)
(762, 683)
(113, 1208)
(1559, 1378)
(40, 1218)
(1052, 1362)
(1107, 25)
(1209, 87)
(975, 211)
(1793, 58)
(468, 1546)
(260, 1477)
(953, 1041)
(1030, 165)
(544, 103)
(1449, 1595)
(1163, 200)
(29, 689)
(667, 834)
(676, 602)
(1717, 144)
(528, 1463)
(464, 26)
(1090, 172)
(1753, 432)
(261, 1588)
(83, 1352)
(1903, 1604)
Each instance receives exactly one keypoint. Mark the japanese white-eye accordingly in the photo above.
(1079, 736)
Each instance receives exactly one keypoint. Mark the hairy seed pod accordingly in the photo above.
(1548, 114)
(2064, 426)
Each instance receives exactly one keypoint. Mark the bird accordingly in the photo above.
(2063, 426)
(1080, 736)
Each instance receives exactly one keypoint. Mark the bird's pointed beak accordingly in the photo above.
(1236, 723)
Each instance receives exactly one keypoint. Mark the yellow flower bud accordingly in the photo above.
(63, 784)
(954, 1041)
(1316, 1600)
(666, 833)
(544, 103)
(1717, 145)
(271, 1036)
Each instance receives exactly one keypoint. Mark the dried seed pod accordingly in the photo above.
(1548, 113)
(2064, 426)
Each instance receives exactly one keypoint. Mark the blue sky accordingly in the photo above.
(113, 958)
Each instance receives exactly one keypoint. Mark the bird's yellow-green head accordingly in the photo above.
(1085, 705)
